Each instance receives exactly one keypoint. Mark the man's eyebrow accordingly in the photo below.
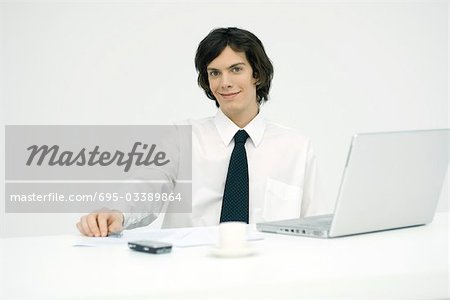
(235, 65)
(230, 67)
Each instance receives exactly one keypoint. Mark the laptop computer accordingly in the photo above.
(391, 180)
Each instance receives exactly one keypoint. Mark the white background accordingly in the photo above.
(341, 67)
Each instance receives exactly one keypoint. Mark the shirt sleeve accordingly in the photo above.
(138, 214)
(312, 203)
(156, 180)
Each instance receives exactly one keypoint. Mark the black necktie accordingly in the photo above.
(235, 196)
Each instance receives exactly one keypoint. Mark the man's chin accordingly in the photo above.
(231, 108)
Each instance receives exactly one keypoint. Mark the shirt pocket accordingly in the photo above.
(281, 201)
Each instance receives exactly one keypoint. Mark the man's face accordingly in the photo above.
(231, 81)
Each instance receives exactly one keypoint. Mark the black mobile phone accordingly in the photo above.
(150, 246)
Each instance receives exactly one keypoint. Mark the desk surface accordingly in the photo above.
(410, 263)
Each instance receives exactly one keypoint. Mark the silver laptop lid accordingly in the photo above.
(391, 180)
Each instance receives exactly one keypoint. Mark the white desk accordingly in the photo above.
(410, 263)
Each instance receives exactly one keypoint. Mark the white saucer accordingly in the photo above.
(232, 252)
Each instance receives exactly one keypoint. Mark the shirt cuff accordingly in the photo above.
(134, 220)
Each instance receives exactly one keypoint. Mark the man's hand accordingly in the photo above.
(101, 223)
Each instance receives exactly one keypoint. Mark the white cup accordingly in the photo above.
(233, 235)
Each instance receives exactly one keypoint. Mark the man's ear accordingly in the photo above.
(256, 78)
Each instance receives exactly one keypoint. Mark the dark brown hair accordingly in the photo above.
(239, 40)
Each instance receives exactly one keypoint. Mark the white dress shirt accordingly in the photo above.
(282, 171)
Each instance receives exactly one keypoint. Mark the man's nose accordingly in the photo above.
(225, 81)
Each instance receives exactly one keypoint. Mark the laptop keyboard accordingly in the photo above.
(316, 221)
(322, 221)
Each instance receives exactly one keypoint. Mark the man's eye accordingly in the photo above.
(213, 73)
(236, 69)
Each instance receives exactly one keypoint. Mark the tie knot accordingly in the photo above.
(240, 136)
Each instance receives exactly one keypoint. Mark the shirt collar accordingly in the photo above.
(227, 129)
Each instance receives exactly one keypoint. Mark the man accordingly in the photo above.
(244, 168)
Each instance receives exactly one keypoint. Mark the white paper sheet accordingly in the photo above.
(179, 237)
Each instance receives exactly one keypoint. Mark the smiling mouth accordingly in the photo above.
(229, 95)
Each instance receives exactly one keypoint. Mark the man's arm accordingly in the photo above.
(311, 202)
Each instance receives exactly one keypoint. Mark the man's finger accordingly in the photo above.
(93, 225)
(103, 224)
(80, 228)
(85, 226)
(116, 223)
